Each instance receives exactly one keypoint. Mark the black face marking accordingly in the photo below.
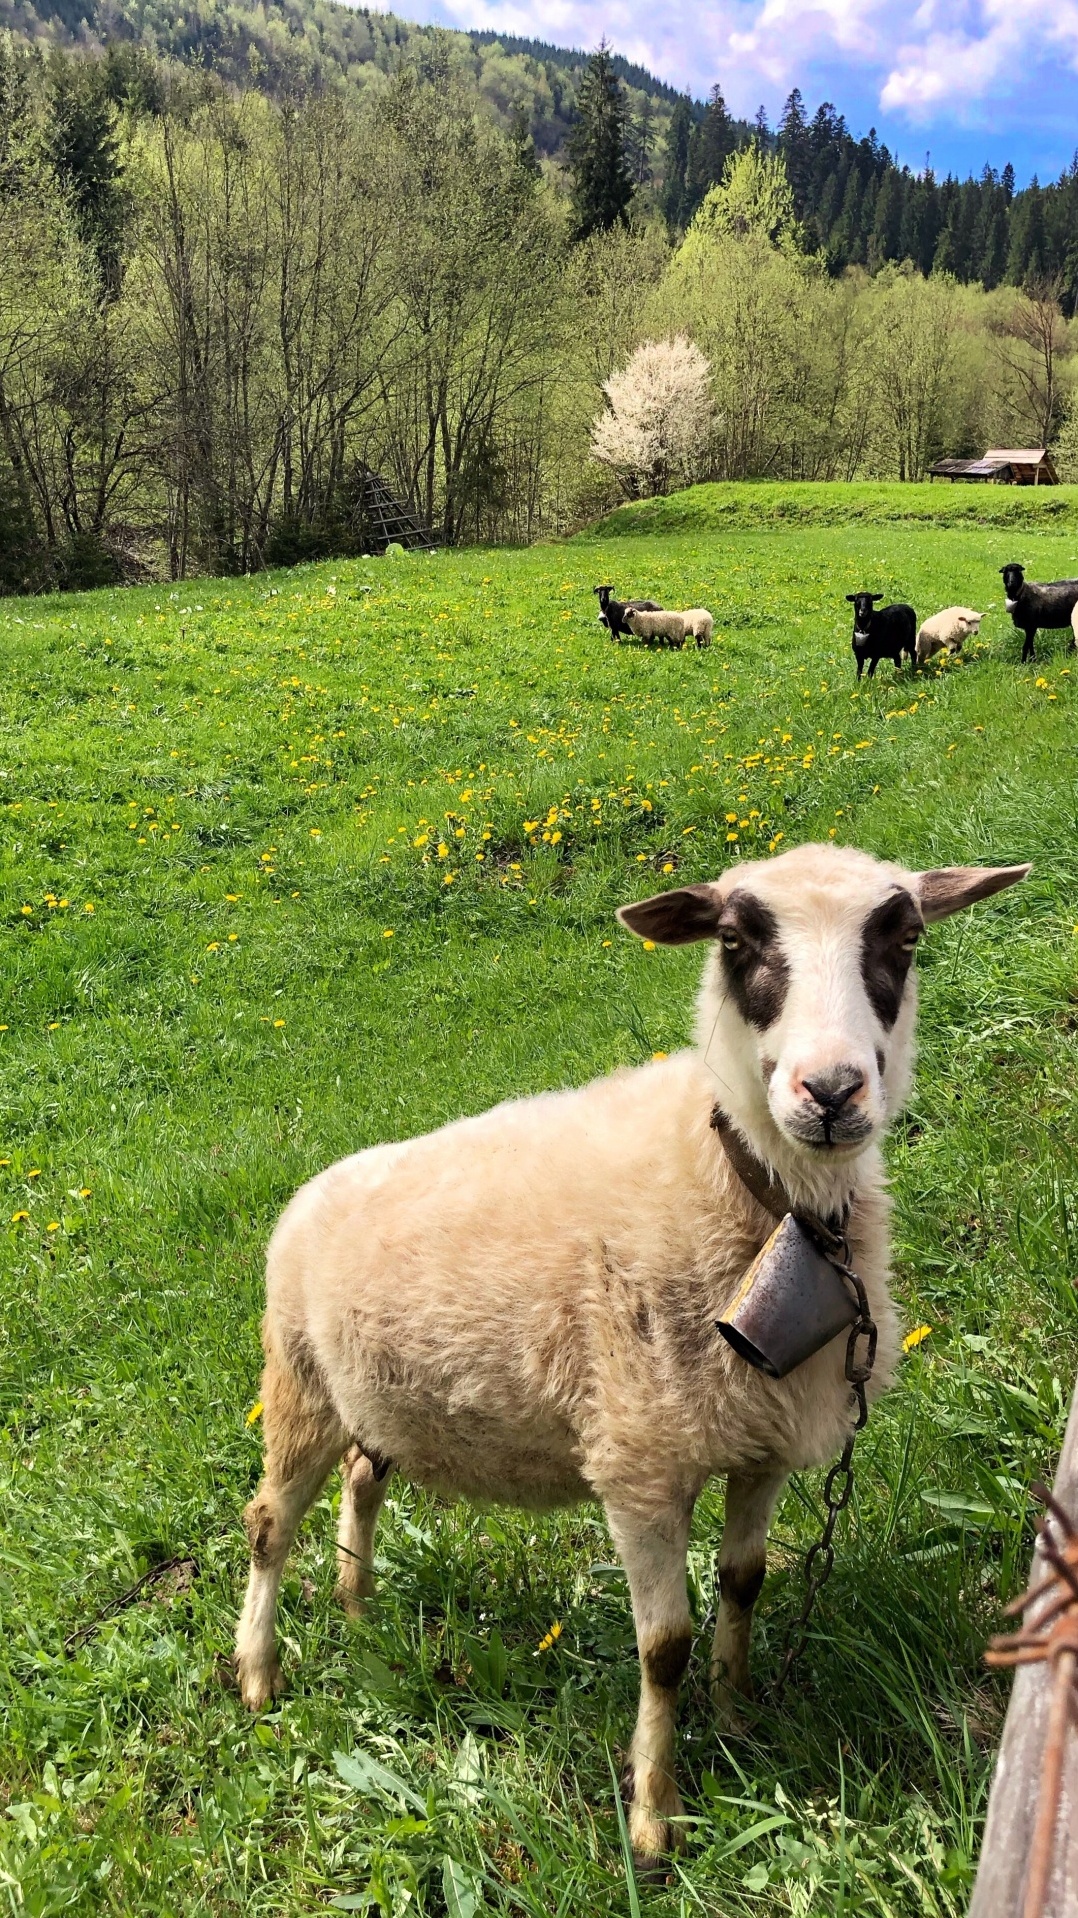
(756, 968)
(881, 1063)
(888, 938)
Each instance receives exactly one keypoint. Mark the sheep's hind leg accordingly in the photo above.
(750, 1501)
(653, 1553)
(364, 1485)
(303, 1438)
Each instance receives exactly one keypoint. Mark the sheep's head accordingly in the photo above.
(1014, 578)
(807, 1008)
(862, 604)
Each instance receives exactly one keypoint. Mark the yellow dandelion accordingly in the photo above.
(85, 1192)
(17, 1217)
(914, 1338)
(669, 866)
(55, 1026)
(214, 946)
(26, 911)
(35, 1174)
(649, 945)
(254, 1414)
(658, 1055)
(88, 907)
(388, 933)
(278, 1022)
(443, 850)
(53, 1226)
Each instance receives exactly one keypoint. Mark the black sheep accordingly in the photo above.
(612, 611)
(885, 634)
(1032, 605)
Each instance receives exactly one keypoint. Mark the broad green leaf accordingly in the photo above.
(366, 1774)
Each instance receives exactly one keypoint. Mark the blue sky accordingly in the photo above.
(967, 81)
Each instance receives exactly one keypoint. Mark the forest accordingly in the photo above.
(235, 285)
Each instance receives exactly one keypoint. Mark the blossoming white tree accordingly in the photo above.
(659, 415)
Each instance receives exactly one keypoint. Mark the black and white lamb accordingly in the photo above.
(612, 611)
(885, 633)
(1032, 605)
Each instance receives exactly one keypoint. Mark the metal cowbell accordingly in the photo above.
(791, 1302)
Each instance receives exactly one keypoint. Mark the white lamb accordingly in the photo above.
(522, 1306)
(699, 624)
(945, 631)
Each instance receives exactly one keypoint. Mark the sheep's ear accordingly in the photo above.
(851, 597)
(675, 918)
(875, 596)
(950, 888)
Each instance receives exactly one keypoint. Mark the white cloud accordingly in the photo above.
(939, 57)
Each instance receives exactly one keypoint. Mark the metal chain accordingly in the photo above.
(838, 1485)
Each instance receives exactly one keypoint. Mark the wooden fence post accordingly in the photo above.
(1012, 1806)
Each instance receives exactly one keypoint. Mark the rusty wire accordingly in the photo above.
(1052, 1638)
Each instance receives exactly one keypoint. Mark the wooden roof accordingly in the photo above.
(987, 468)
(1018, 455)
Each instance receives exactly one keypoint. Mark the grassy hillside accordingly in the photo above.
(710, 509)
(296, 864)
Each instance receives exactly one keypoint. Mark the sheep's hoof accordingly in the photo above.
(654, 1838)
(352, 1602)
(259, 1683)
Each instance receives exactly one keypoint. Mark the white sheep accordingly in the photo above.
(945, 631)
(665, 627)
(673, 627)
(522, 1306)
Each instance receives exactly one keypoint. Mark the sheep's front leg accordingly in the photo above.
(750, 1501)
(653, 1553)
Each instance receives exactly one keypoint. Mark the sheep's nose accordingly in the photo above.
(832, 1090)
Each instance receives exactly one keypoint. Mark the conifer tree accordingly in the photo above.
(675, 171)
(81, 145)
(602, 183)
(641, 140)
(795, 147)
(712, 143)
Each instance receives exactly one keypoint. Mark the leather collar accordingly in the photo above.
(768, 1190)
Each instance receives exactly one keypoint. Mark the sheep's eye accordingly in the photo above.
(731, 941)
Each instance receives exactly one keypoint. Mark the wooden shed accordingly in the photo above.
(1031, 465)
(1001, 466)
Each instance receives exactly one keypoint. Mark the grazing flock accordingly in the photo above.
(879, 632)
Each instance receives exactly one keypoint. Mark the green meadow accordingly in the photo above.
(293, 864)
